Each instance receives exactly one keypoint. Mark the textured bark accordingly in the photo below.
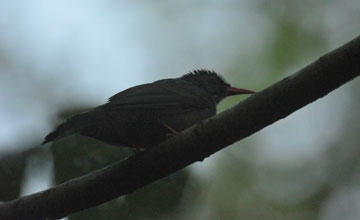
(196, 143)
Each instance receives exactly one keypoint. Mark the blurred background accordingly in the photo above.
(62, 57)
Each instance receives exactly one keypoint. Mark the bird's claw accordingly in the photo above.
(172, 131)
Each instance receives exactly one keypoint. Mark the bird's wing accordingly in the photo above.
(161, 98)
(172, 96)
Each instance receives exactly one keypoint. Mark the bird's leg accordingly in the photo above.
(136, 149)
(172, 130)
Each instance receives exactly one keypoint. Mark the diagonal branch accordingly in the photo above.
(196, 143)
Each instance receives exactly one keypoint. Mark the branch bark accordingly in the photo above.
(196, 143)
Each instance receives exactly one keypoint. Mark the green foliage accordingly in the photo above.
(11, 175)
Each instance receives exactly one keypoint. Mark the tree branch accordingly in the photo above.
(196, 143)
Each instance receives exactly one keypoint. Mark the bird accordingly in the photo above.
(143, 116)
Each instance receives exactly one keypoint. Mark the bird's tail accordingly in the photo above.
(71, 126)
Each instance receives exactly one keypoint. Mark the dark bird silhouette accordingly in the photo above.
(145, 115)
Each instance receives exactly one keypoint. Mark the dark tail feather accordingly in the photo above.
(59, 132)
(71, 126)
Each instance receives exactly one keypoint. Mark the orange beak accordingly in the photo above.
(238, 91)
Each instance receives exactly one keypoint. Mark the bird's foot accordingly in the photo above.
(172, 131)
(137, 150)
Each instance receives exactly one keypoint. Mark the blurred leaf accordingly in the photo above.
(12, 168)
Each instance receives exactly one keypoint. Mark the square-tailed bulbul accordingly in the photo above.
(144, 115)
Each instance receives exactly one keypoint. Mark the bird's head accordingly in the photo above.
(214, 84)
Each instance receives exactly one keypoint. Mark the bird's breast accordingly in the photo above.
(185, 120)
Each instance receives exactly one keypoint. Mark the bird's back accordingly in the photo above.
(142, 115)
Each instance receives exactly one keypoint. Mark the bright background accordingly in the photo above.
(59, 57)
